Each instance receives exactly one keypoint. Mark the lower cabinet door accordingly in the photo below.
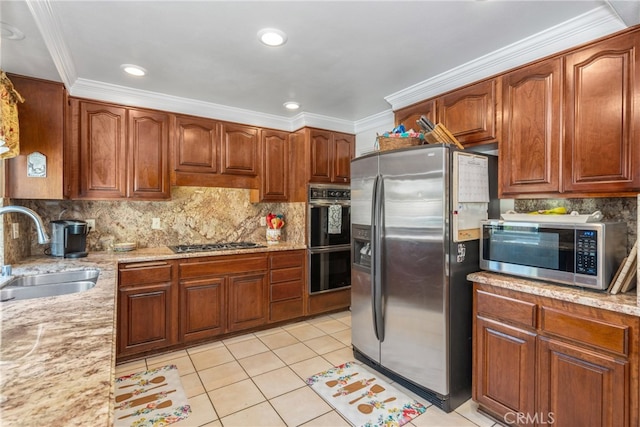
(202, 308)
(504, 366)
(145, 318)
(578, 387)
(248, 301)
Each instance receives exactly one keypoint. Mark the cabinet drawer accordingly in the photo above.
(286, 275)
(285, 310)
(144, 272)
(596, 333)
(505, 308)
(286, 290)
(287, 259)
(189, 270)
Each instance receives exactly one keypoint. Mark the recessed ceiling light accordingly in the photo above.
(10, 32)
(134, 70)
(290, 105)
(272, 37)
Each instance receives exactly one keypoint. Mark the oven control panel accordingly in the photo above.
(321, 193)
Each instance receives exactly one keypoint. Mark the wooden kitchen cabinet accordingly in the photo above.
(553, 361)
(329, 156)
(318, 156)
(529, 160)
(239, 150)
(504, 354)
(409, 115)
(469, 113)
(286, 285)
(248, 296)
(118, 152)
(42, 130)
(212, 153)
(146, 307)
(602, 90)
(202, 308)
(274, 175)
(233, 292)
(196, 147)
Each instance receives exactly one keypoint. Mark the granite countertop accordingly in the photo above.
(57, 354)
(621, 303)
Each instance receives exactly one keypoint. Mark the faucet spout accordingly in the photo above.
(43, 237)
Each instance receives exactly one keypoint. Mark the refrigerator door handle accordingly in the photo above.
(374, 251)
(377, 255)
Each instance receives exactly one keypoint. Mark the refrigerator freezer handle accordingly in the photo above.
(377, 221)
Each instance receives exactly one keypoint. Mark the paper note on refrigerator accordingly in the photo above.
(470, 195)
(472, 178)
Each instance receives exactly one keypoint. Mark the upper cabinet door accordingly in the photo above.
(530, 144)
(102, 151)
(470, 113)
(42, 130)
(149, 154)
(409, 115)
(321, 155)
(197, 145)
(239, 150)
(602, 112)
(344, 148)
(274, 185)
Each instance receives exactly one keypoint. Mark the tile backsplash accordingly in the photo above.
(623, 209)
(193, 215)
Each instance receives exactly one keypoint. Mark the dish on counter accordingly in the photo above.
(124, 247)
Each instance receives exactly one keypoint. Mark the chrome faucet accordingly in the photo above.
(43, 238)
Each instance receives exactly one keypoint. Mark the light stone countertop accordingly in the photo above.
(57, 354)
(621, 303)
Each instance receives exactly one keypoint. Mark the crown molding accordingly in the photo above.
(584, 28)
(49, 27)
(377, 122)
(123, 95)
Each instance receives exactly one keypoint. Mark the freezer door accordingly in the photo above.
(415, 239)
(363, 175)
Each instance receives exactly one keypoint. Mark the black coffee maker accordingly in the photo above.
(69, 238)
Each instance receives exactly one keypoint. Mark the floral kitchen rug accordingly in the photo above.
(150, 398)
(363, 398)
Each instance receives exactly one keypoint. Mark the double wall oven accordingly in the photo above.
(329, 237)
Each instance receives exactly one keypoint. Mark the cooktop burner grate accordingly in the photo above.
(206, 247)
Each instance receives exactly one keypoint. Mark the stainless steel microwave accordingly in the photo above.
(585, 255)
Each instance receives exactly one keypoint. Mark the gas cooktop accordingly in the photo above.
(206, 247)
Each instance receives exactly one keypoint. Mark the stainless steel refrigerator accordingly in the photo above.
(412, 247)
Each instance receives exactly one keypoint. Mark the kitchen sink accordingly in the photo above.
(48, 284)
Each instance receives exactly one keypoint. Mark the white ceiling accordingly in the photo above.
(346, 62)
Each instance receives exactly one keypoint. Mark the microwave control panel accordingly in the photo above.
(587, 252)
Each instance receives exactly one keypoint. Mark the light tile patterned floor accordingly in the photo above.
(257, 379)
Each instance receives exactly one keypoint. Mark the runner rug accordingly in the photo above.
(150, 398)
(363, 398)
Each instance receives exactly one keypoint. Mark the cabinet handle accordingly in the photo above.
(145, 264)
